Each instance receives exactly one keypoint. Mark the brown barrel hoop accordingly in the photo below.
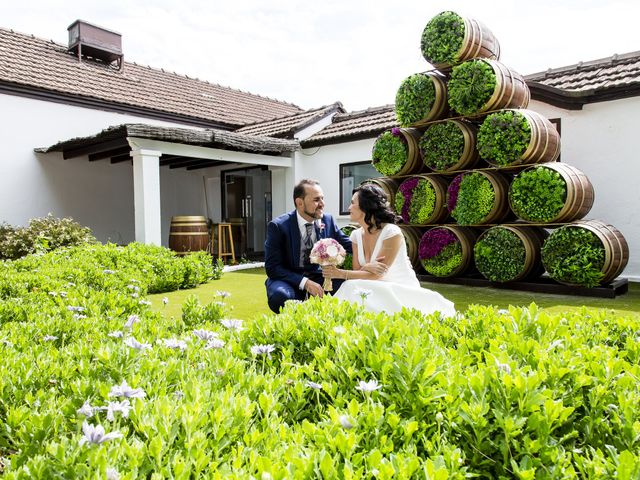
(469, 155)
(511, 90)
(478, 42)
(467, 238)
(616, 248)
(440, 108)
(188, 233)
(440, 211)
(412, 237)
(544, 145)
(388, 185)
(532, 239)
(580, 192)
(500, 184)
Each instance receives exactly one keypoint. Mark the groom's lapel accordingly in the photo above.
(321, 228)
(294, 236)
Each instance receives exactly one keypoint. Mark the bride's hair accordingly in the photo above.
(373, 202)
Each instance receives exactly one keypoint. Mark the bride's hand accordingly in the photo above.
(329, 271)
(376, 267)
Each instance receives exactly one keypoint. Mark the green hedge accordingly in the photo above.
(415, 99)
(503, 137)
(471, 86)
(538, 194)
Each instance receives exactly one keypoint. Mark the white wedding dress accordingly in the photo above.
(398, 288)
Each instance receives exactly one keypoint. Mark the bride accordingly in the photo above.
(379, 238)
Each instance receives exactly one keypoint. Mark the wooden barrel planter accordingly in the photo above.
(508, 253)
(478, 42)
(457, 191)
(413, 162)
(447, 251)
(188, 234)
(510, 90)
(577, 202)
(412, 237)
(439, 108)
(410, 207)
(543, 146)
(615, 258)
(388, 185)
(449, 146)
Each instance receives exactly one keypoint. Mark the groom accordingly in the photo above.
(290, 237)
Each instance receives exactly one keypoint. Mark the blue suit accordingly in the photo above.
(282, 258)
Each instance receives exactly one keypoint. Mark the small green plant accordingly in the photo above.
(390, 152)
(500, 255)
(503, 137)
(574, 255)
(471, 86)
(415, 200)
(442, 145)
(470, 198)
(415, 99)
(538, 194)
(442, 38)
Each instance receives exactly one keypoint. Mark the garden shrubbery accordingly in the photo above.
(323, 390)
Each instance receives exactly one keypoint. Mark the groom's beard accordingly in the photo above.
(315, 214)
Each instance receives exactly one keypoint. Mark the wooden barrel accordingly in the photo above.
(580, 193)
(188, 234)
(412, 237)
(440, 107)
(439, 186)
(500, 208)
(478, 42)
(465, 236)
(544, 145)
(469, 155)
(388, 185)
(616, 249)
(413, 163)
(531, 238)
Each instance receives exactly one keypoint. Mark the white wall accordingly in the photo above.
(601, 140)
(96, 194)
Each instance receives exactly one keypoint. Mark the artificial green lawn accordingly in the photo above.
(249, 300)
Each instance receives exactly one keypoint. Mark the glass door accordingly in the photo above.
(247, 205)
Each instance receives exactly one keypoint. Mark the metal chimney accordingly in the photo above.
(97, 42)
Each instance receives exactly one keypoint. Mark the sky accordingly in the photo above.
(314, 53)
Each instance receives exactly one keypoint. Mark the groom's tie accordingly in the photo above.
(307, 244)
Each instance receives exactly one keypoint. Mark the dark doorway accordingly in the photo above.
(246, 204)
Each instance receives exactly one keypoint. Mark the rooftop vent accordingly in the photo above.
(97, 42)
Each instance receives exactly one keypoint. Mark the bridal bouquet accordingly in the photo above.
(327, 252)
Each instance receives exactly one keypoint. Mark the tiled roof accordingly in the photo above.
(30, 62)
(605, 73)
(354, 125)
(287, 126)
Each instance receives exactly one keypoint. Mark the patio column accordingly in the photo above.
(146, 195)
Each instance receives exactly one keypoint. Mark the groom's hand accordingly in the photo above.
(314, 288)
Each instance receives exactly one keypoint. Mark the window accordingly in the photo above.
(352, 175)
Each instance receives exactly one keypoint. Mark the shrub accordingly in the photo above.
(503, 137)
(500, 255)
(390, 152)
(538, 194)
(348, 260)
(440, 252)
(42, 235)
(574, 255)
(442, 38)
(415, 99)
(442, 145)
(470, 198)
(415, 200)
(471, 86)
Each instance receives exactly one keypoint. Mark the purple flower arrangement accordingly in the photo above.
(434, 241)
(406, 189)
(452, 192)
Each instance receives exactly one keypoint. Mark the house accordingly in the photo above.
(122, 148)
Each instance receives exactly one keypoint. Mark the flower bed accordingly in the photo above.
(421, 97)
(538, 194)
(440, 252)
(470, 198)
(500, 255)
(442, 38)
(471, 86)
(503, 137)
(448, 146)
(390, 152)
(417, 200)
(574, 255)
